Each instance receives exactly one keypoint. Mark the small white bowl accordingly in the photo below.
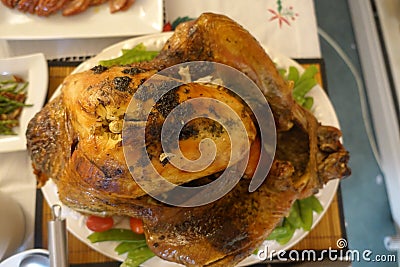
(33, 69)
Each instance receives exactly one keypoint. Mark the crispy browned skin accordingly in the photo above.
(10, 3)
(223, 232)
(88, 166)
(220, 39)
(217, 38)
(94, 105)
(49, 142)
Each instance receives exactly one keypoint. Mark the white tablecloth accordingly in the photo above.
(287, 27)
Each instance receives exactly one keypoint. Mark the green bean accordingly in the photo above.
(131, 243)
(309, 73)
(306, 213)
(6, 100)
(303, 87)
(308, 102)
(129, 262)
(115, 234)
(137, 256)
(124, 247)
(7, 82)
(299, 99)
(277, 233)
(294, 216)
(140, 252)
(13, 86)
(136, 54)
(282, 72)
(293, 74)
(302, 83)
(9, 89)
(23, 87)
(6, 130)
(315, 204)
(9, 106)
(8, 122)
(289, 234)
(300, 216)
(282, 234)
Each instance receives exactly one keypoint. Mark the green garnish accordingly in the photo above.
(302, 84)
(300, 216)
(12, 99)
(131, 243)
(137, 256)
(115, 234)
(138, 53)
(125, 247)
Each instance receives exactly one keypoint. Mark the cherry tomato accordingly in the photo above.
(136, 225)
(167, 27)
(99, 224)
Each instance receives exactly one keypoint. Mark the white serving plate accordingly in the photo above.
(143, 17)
(322, 109)
(33, 69)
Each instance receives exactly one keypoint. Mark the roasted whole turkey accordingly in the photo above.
(76, 141)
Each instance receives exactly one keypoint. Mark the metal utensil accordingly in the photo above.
(35, 260)
(58, 245)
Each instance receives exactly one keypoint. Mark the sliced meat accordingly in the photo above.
(47, 7)
(97, 2)
(68, 7)
(27, 5)
(118, 5)
(128, 5)
(10, 3)
(74, 7)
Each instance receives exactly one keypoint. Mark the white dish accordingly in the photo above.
(323, 110)
(143, 17)
(16, 259)
(33, 69)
